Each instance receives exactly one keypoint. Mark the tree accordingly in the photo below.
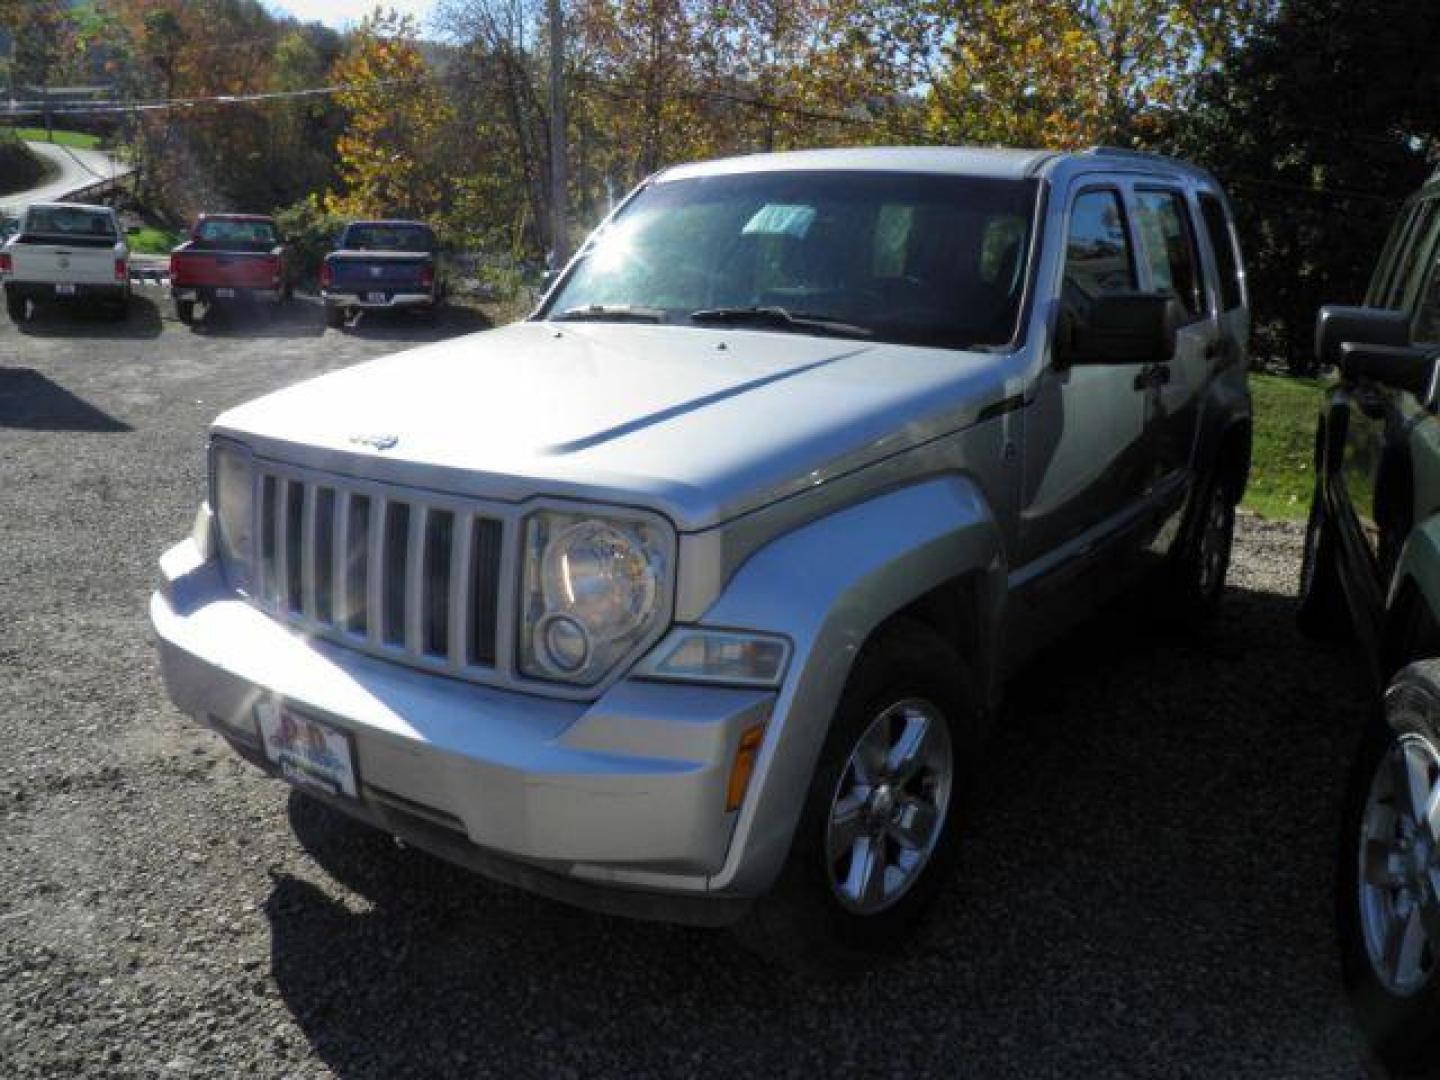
(389, 153)
(1319, 126)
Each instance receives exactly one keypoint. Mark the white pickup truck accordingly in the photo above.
(66, 251)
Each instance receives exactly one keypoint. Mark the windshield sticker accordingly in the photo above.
(776, 219)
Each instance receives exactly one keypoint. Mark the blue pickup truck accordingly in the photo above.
(385, 265)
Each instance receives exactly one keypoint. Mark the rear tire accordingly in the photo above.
(1202, 559)
(17, 307)
(1388, 906)
(185, 311)
(1321, 612)
(335, 317)
(878, 836)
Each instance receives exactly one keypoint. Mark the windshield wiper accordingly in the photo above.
(779, 317)
(610, 313)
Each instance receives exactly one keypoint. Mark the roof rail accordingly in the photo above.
(1144, 155)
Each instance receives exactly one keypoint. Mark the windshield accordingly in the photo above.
(376, 237)
(246, 233)
(69, 221)
(916, 259)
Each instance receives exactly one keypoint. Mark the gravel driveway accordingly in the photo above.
(1146, 888)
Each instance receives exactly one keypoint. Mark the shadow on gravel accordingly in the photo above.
(30, 401)
(409, 326)
(142, 320)
(297, 319)
(1145, 890)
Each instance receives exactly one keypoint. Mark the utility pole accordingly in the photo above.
(559, 225)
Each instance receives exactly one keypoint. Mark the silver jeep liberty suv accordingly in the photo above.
(690, 596)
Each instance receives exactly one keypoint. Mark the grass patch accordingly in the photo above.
(1282, 471)
(78, 140)
(152, 241)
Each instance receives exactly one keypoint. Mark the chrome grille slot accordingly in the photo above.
(410, 576)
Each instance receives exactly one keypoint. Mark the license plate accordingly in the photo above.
(307, 752)
(64, 290)
(225, 294)
(375, 298)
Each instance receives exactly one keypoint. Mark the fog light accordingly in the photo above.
(567, 645)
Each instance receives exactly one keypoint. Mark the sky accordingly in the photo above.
(343, 13)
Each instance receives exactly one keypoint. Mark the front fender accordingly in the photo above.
(1419, 564)
(827, 586)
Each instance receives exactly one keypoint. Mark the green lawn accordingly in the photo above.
(152, 241)
(77, 139)
(1282, 470)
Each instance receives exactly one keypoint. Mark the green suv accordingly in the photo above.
(1371, 570)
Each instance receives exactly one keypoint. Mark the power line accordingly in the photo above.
(31, 108)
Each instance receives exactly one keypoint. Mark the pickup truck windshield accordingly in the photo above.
(69, 221)
(388, 238)
(907, 258)
(222, 233)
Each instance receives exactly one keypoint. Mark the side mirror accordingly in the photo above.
(1121, 328)
(1336, 325)
(1400, 367)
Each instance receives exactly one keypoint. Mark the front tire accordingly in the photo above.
(878, 836)
(1321, 612)
(1388, 895)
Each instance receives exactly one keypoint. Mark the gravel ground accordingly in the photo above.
(1146, 887)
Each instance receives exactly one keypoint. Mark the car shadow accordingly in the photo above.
(296, 319)
(142, 320)
(1145, 884)
(30, 401)
(410, 326)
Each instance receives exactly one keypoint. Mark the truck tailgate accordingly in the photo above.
(67, 264)
(360, 271)
(238, 269)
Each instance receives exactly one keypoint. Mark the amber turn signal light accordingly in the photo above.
(744, 765)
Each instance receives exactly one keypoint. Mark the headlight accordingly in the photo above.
(595, 590)
(232, 498)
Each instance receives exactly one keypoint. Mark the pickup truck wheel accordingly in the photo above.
(335, 317)
(1321, 612)
(879, 833)
(17, 307)
(1389, 877)
(1203, 557)
(185, 311)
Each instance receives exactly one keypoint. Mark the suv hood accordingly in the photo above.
(701, 424)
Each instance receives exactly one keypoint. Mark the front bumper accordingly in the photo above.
(379, 298)
(618, 804)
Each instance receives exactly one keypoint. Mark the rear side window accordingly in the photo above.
(1227, 259)
(1098, 258)
(1169, 242)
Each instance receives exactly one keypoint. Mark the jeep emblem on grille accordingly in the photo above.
(375, 442)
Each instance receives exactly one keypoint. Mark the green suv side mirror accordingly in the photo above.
(1336, 325)
(1400, 367)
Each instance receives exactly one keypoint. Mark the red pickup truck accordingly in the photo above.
(229, 257)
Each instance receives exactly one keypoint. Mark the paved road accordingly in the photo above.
(78, 169)
(1145, 888)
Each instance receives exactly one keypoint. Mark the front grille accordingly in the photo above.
(411, 577)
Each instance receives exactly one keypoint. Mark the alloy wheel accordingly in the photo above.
(1399, 879)
(889, 806)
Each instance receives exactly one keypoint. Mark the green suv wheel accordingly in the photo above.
(1389, 877)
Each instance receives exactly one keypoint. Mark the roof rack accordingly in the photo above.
(1143, 155)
